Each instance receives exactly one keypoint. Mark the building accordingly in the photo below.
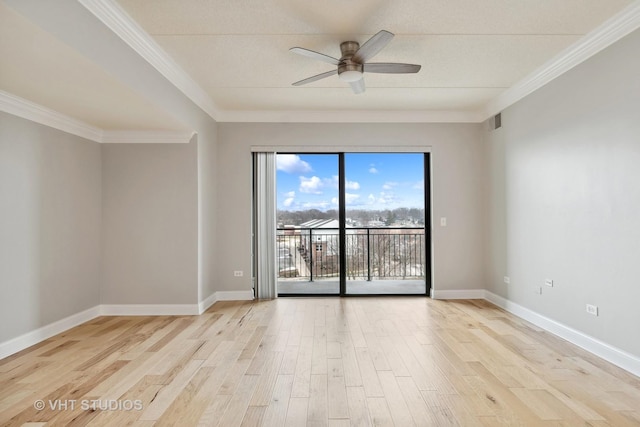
(318, 246)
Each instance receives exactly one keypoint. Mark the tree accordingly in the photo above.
(391, 218)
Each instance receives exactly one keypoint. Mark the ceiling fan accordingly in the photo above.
(353, 63)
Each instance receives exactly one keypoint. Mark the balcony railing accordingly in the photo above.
(371, 253)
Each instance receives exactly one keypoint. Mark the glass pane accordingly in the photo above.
(385, 240)
(308, 224)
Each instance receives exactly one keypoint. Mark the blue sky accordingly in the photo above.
(375, 181)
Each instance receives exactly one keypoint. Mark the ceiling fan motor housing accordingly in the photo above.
(348, 49)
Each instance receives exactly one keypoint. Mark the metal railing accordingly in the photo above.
(371, 253)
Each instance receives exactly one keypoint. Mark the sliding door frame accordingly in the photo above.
(342, 230)
(428, 228)
(342, 219)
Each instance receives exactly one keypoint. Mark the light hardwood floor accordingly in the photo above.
(330, 361)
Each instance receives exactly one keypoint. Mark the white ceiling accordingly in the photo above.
(237, 52)
(470, 50)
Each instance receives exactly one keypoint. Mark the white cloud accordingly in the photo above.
(389, 185)
(316, 205)
(352, 185)
(292, 163)
(351, 198)
(315, 185)
(372, 169)
(419, 185)
(331, 182)
(289, 199)
(334, 182)
(384, 198)
(311, 185)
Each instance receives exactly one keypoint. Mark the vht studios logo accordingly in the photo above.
(89, 405)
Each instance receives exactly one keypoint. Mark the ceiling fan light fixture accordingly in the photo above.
(350, 76)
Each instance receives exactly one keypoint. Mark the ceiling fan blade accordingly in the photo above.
(372, 46)
(314, 78)
(357, 86)
(315, 55)
(391, 68)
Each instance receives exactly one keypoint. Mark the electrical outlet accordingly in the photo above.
(549, 282)
(238, 273)
(592, 309)
(443, 222)
(507, 280)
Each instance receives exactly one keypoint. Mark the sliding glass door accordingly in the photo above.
(385, 223)
(308, 224)
(352, 224)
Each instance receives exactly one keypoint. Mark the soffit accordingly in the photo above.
(39, 68)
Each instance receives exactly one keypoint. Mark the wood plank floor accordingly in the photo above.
(316, 362)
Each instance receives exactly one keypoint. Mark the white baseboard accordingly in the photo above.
(207, 302)
(17, 344)
(224, 296)
(601, 349)
(234, 295)
(149, 310)
(174, 309)
(458, 294)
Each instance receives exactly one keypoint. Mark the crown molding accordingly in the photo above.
(117, 20)
(20, 107)
(330, 116)
(147, 137)
(612, 30)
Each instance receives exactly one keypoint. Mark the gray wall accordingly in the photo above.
(564, 197)
(207, 212)
(457, 158)
(150, 224)
(50, 214)
(102, 46)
